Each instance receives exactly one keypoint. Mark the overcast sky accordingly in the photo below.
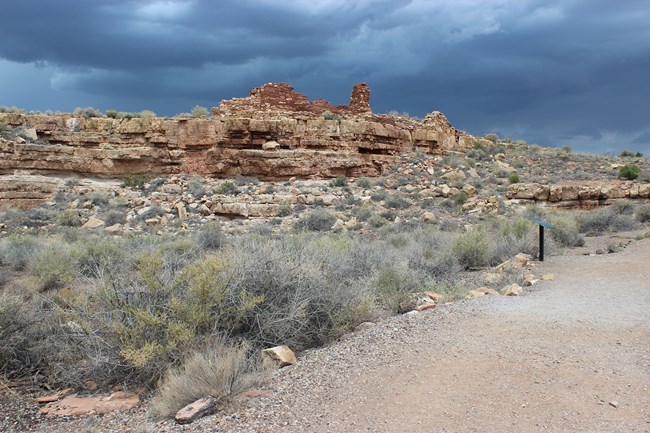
(557, 73)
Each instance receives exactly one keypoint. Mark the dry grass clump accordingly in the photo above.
(220, 371)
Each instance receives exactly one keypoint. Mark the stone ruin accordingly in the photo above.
(280, 98)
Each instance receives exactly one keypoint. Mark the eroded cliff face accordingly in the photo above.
(273, 134)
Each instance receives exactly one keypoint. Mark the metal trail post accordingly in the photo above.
(541, 243)
(542, 225)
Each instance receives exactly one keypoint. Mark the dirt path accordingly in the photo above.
(572, 355)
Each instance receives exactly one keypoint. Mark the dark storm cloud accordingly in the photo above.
(554, 71)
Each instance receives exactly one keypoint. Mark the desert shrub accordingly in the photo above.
(199, 112)
(154, 185)
(472, 249)
(210, 237)
(379, 195)
(284, 210)
(460, 198)
(565, 232)
(243, 180)
(15, 110)
(623, 207)
(136, 181)
(395, 286)
(513, 178)
(642, 213)
(363, 213)
(318, 220)
(630, 154)
(396, 201)
(227, 188)
(511, 237)
(339, 181)
(87, 112)
(113, 114)
(147, 114)
(629, 171)
(491, 137)
(114, 216)
(196, 187)
(151, 212)
(17, 251)
(330, 116)
(601, 221)
(20, 332)
(69, 218)
(363, 182)
(376, 221)
(38, 217)
(54, 266)
(219, 370)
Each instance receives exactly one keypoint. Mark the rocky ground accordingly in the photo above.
(572, 354)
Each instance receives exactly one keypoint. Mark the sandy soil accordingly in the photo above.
(571, 355)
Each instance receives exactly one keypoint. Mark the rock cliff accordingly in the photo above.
(275, 133)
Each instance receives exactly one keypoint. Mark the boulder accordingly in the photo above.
(278, 357)
(196, 410)
(513, 289)
(93, 223)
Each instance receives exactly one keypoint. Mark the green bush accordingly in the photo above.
(363, 182)
(54, 267)
(460, 198)
(396, 201)
(629, 171)
(318, 220)
(513, 178)
(136, 181)
(472, 249)
(339, 181)
(227, 188)
(565, 232)
(284, 210)
(69, 218)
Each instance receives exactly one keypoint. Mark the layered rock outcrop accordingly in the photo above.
(275, 133)
(581, 195)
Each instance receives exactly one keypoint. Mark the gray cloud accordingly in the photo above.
(552, 71)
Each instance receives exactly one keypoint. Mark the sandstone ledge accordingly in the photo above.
(585, 195)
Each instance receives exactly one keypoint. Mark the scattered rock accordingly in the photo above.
(278, 357)
(270, 145)
(53, 397)
(425, 307)
(363, 326)
(74, 406)
(435, 297)
(93, 223)
(196, 410)
(613, 403)
(513, 289)
(428, 217)
(548, 277)
(114, 229)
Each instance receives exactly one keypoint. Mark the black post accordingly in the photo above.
(541, 243)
